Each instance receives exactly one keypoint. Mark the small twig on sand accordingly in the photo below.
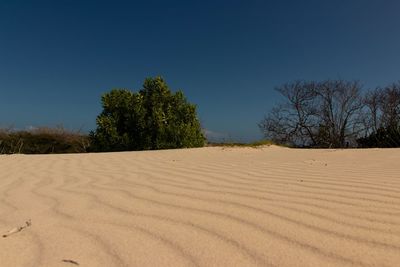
(18, 229)
(71, 261)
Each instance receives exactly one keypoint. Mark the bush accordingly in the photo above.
(153, 118)
(383, 137)
(42, 141)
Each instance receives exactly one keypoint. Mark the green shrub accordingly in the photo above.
(153, 118)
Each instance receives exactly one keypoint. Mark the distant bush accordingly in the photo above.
(383, 137)
(153, 118)
(42, 141)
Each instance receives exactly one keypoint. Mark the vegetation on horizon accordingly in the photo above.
(43, 141)
(255, 144)
(334, 114)
(152, 118)
(327, 114)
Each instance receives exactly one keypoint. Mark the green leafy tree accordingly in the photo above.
(153, 118)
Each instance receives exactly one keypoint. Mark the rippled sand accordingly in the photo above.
(216, 206)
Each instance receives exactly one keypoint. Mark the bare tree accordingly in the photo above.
(382, 117)
(371, 118)
(390, 105)
(382, 108)
(293, 122)
(317, 114)
(340, 105)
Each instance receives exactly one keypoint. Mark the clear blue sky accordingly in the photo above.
(58, 57)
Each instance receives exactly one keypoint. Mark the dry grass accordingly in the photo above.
(42, 140)
(256, 144)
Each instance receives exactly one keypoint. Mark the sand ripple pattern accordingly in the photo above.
(202, 207)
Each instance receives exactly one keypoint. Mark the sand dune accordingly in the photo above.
(269, 206)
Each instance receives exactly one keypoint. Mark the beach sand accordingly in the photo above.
(211, 206)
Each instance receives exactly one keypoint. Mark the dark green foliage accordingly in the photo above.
(153, 118)
(42, 141)
(383, 137)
